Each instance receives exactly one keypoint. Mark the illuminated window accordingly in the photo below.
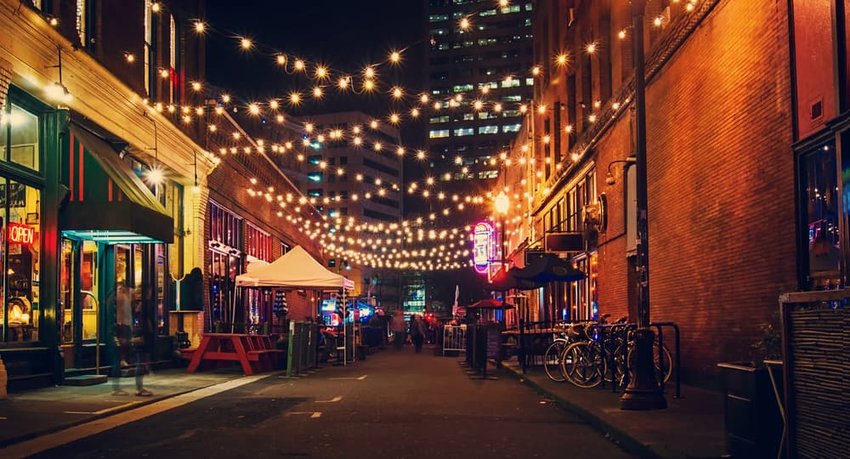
(315, 177)
(439, 119)
(460, 132)
(488, 130)
(80, 16)
(511, 127)
(148, 52)
(438, 17)
(438, 134)
(172, 55)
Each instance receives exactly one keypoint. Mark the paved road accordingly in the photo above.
(393, 405)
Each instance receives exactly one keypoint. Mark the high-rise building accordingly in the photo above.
(479, 71)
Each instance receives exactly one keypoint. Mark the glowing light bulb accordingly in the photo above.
(397, 92)
(281, 59)
(321, 72)
(369, 72)
(318, 92)
(535, 70)
(590, 47)
(395, 118)
(478, 105)
(343, 83)
(130, 57)
(414, 112)
(373, 124)
(225, 98)
(196, 86)
(465, 24)
(562, 59)
(368, 85)
(254, 108)
(246, 43)
(395, 57)
(295, 98)
(658, 21)
(156, 7)
(423, 98)
(621, 34)
(200, 27)
(164, 73)
(541, 109)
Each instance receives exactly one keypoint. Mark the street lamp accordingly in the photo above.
(643, 391)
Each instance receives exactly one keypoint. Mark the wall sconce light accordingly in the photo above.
(609, 178)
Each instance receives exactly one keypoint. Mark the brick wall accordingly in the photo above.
(613, 282)
(721, 182)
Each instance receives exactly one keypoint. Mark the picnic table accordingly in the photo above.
(253, 352)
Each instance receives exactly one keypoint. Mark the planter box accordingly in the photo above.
(753, 420)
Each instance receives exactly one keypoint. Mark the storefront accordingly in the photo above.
(114, 269)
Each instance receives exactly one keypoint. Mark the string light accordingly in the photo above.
(200, 27)
(246, 43)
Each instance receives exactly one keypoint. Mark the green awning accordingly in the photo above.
(106, 197)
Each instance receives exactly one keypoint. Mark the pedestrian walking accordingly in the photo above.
(397, 326)
(417, 332)
(141, 331)
(123, 334)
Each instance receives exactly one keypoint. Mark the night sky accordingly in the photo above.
(345, 35)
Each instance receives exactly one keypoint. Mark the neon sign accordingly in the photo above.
(21, 234)
(483, 246)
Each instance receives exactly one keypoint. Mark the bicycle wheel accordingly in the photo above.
(583, 365)
(552, 360)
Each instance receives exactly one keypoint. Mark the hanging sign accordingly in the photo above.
(21, 234)
(483, 245)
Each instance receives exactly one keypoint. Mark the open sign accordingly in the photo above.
(21, 234)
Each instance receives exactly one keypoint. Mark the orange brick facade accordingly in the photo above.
(720, 162)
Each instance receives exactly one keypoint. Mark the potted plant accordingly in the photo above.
(753, 420)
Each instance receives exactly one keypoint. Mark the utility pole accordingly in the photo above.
(643, 391)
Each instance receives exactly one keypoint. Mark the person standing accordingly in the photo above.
(417, 331)
(141, 330)
(397, 326)
(123, 335)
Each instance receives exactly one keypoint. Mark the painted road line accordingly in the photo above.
(313, 414)
(360, 378)
(333, 400)
(50, 441)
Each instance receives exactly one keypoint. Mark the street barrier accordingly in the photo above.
(303, 347)
(454, 338)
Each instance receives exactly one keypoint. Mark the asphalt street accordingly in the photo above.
(395, 404)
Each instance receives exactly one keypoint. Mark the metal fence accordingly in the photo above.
(816, 342)
(454, 338)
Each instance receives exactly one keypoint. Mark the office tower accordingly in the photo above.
(479, 71)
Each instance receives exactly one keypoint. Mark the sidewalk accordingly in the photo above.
(691, 426)
(37, 412)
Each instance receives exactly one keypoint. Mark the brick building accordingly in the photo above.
(104, 165)
(721, 170)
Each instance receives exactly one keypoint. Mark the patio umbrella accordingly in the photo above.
(549, 268)
(490, 303)
(506, 280)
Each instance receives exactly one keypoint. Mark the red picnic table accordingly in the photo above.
(253, 352)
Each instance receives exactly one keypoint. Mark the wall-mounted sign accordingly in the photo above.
(483, 246)
(21, 234)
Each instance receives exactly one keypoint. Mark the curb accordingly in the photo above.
(621, 437)
(120, 409)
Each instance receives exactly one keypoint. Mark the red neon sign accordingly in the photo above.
(21, 234)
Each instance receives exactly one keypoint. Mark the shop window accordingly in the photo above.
(22, 127)
(819, 196)
(20, 217)
(66, 290)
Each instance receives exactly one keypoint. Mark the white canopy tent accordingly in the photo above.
(296, 269)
